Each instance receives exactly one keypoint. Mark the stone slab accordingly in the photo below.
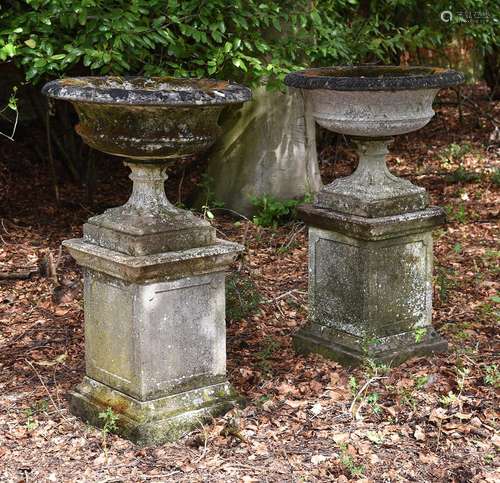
(372, 229)
(142, 235)
(154, 421)
(268, 147)
(392, 350)
(165, 266)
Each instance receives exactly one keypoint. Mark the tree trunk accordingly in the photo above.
(492, 72)
(268, 148)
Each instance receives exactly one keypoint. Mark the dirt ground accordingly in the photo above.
(429, 420)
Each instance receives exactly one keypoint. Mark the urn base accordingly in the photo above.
(153, 421)
(372, 190)
(392, 350)
(370, 286)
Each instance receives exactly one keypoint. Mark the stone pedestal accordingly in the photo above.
(155, 344)
(370, 277)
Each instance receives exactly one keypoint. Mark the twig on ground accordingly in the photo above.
(294, 235)
(233, 212)
(354, 411)
(46, 390)
(21, 275)
(283, 295)
(4, 229)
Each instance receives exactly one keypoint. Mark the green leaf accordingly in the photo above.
(31, 43)
(240, 64)
(8, 50)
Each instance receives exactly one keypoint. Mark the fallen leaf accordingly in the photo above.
(419, 433)
(374, 437)
(316, 409)
(340, 437)
(428, 458)
(294, 403)
(318, 459)
(437, 415)
(495, 439)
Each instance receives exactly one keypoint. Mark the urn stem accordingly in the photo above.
(148, 196)
(372, 168)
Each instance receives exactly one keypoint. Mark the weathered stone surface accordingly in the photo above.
(153, 421)
(155, 338)
(371, 77)
(145, 351)
(372, 191)
(148, 223)
(160, 266)
(370, 295)
(147, 91)
(372, 229)
(370, 241)
(268, 148)
(147, 118)
(154, 275)
(392, 350)
(373, 101)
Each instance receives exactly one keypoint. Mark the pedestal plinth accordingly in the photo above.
(370, 286)
(155, 335)
(155, 343)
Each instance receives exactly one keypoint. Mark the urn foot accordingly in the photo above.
(372, 190)
(370, 286)
(154, 421)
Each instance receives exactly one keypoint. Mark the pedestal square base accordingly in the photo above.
(141, 235)
(155, 421)
(370, 286)
(396, 196)
(155, 338)
(391, 350)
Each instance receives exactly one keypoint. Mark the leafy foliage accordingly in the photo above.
(242, 39)
(271, 212)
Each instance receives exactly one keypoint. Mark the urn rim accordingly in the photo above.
(369, 77)
(147, 91)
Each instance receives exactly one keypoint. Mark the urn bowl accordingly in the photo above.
(147, 118)
(372, 100)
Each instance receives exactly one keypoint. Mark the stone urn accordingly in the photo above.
(370, 234)
(153, 273)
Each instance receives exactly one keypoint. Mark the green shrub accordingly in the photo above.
(461, 175)
(238, 39)
(271, 212)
